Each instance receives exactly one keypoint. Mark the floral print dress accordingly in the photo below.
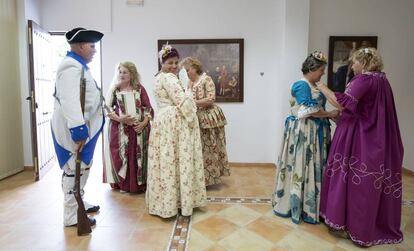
(213, 137)
(302, 158)
(175, 158)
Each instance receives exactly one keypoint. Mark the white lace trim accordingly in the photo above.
(305, 111)
(355, 239)
(383, 178)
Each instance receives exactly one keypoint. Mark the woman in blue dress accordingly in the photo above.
(304, 146)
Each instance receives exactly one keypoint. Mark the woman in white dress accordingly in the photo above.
(175, 158)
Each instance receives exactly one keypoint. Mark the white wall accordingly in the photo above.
(255, 126)
(250, 133)
(11, 149)
(63, 15)
(392, 22)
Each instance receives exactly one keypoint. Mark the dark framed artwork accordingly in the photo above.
(339, 64)
(222, 60)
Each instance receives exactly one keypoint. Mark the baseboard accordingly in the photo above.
(10, 173)
(244, 164)
(407, 171)
(29, 168)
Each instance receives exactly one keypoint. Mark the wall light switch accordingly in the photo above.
(135, 2)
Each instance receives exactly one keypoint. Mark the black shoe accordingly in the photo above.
(92, 222)
(339, 233)
(93, 209)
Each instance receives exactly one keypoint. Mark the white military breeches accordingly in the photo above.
(70, 206)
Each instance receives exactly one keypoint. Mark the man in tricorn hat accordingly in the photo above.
(73, 129)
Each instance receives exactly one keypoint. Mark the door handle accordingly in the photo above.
(32, 101)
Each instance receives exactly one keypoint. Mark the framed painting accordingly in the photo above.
(222, 60)
(339, 63)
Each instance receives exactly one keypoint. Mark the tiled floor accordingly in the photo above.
(31, 219)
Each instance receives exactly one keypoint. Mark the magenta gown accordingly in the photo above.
(362, 188)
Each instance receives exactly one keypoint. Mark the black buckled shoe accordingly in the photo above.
(92, 221)
(93, 209)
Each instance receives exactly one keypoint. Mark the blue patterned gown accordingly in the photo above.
(302, 157)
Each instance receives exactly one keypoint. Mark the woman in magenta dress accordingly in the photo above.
(361, 189)
(127, 133)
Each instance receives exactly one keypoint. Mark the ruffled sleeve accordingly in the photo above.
(110, 99)
(303, 95)
(210, 89)
(356, 90)
(184, 101)
(146, 104)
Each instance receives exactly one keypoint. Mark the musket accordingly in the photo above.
(84, 226)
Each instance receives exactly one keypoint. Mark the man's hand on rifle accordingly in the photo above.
(79, 145)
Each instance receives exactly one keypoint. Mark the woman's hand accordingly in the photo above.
(127, 119)
(320, 86)
(334, 115)
(139, 126)
(204, 103)
(112, 115)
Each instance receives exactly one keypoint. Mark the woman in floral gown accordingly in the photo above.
(175, 162)
(304, 147)
(126, 136)
(211, 120)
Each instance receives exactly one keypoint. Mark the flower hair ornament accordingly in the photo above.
(366, 51)
(318, 55)
(166, 48)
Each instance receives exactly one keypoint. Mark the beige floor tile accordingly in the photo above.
(260, 208)
(215, 227)
(269, 229)
(244, 240)
(409, 227)
(336, 248)
(148, 239)
(279, 249)
(214, 208)
(239, 215)
(122, 218)
(300, 240)
(265, 171)
(230, 191)
(319, 230)
(105, 239)
(147, 221)
(287, 221)
(215, 248)
(199, 241)
(31, 216)
(27, 237)
(202, 213)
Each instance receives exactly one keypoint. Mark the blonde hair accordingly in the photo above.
(369, 58)
(133, 72)
(193, 62)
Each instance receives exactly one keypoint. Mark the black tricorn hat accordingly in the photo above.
(82, 35)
